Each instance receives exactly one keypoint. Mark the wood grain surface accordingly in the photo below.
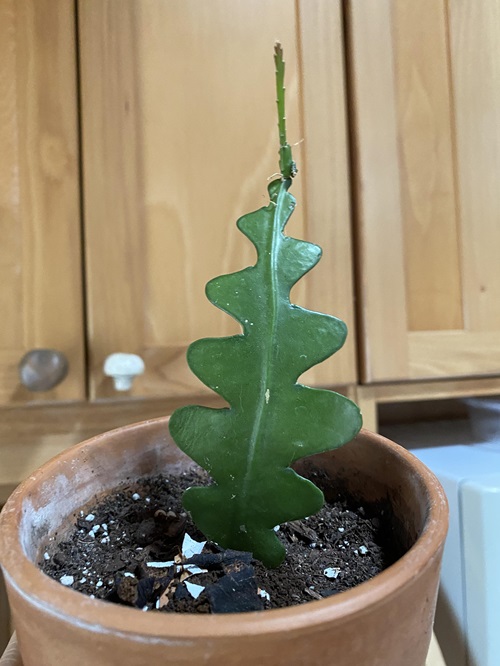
(425, 103)
(40, 264)
(179, 137)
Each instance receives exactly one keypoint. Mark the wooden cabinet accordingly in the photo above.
(40, 253)
(175, 108)
(179, 135)
(424, 83)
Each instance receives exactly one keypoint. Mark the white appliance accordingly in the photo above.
(468, 613)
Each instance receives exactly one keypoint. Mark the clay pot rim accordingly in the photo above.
(105, 617)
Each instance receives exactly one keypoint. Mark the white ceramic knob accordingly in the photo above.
(123, 368)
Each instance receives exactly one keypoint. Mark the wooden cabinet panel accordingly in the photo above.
(40, 263)
(475, 71)
(425, 105)
(179, 135)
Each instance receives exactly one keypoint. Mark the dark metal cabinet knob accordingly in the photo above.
(42, 369)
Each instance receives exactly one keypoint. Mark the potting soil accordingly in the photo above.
(138, 547)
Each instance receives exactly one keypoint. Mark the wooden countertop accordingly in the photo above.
(29, 436)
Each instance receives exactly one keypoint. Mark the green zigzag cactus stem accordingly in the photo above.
(272, 421)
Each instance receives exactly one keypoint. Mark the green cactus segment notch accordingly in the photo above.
(272, 420)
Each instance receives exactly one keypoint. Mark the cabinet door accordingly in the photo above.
(425, 84)
(179, 137)
(40, 263)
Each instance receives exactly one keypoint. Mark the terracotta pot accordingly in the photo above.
(386, 621)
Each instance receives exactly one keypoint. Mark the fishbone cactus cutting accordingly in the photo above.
(272, 421)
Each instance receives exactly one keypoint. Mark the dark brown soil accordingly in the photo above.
(109, 550)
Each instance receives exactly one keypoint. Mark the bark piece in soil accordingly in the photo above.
(236, 591)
